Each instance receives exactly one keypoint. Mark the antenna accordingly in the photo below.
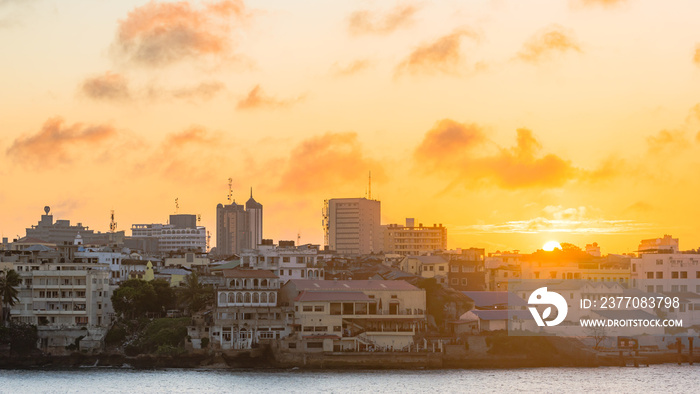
(112, 223)
(177, 205)
(199, 218)
(208, 238)
(369, 194)
(230, 190)
(298, 237)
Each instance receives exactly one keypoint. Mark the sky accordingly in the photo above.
(511, 122)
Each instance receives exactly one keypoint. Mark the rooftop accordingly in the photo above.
(485, 299)
(347, 285)
(307, 296)
(249, 273)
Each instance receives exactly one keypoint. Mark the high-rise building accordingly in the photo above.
(238, 227)
(414, 240)
(353, 225)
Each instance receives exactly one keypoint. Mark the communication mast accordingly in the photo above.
(199, 218)
(230, 190)
(208, 238)
(369, 193)
(112, 223)
(298, 237)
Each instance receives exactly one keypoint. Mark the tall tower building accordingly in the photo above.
(353, 225)
(255, 223)
(238, 226)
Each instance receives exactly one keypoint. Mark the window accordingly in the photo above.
(291, 345)
(318, 308)
(650, 289)
(308, 308)
(634, 267)
(650, 275)
(659, 262)
(454, 268)
(464, 281)
(441, 268)
(454, 281)
(674, 275)
(659, 275)
(337, 328)
(302, 273)
(285, 259)
(684, 275)
(684, 288)
(659, 288)
(314, 345)
(674, 288)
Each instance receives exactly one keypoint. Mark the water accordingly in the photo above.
(657, 378)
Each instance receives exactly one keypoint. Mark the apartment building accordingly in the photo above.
(410, 239)
(353, 225)
(286, 260)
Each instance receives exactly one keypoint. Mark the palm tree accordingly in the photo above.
(9, 281)
(194, 294)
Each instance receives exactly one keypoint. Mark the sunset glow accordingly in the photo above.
(551, 245)
(498, 120)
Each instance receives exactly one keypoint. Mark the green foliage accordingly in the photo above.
(9, 281)
(194, 295)
(137, 298)
(116, 334)
(161, 334)
(22, 337)
(205, 343)
(76, 344)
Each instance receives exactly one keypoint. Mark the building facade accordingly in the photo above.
(410, 239)
(182, 234)
(353, 225)
(238, 226)
(286, 260)
(62, 232)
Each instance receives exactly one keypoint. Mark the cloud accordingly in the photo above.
(351, 68)
(604, 3)
(366, 22)
(179, 155)
(667, 141)
(451, 148)
(558, 219)
(441, 56)
(548, 43)
(108, 86)
(203, 91)
(55, 142)
(447, 142)
(159, 34)
(696, 57)
(256, 98)
(328, 162)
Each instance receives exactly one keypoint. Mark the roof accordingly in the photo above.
(173, 271)
(31, 240)
(307, 296)
(249, 273)
(134, 262)
(484, 299)
(348, 285)
(429, 259)
(321, 336)
(502, 314)
(39, 248)
(682, 295)
(227, 266)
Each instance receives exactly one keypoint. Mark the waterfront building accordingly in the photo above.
(341, 315)
(247, 311)
(353, 225)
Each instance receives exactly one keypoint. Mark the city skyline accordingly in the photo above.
(565, 125)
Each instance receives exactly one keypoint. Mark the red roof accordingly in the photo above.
(332, 296)
(249, 273)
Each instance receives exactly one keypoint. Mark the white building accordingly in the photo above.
(286, 260)
(410, 239)
(353, 225)
(355, 315)
(173, 239)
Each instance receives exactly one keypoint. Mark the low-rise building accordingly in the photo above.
(247, 311)
(354, 314)
(427, 267)
(409, 239)
(286, 260)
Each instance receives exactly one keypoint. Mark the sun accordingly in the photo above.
(551, 245)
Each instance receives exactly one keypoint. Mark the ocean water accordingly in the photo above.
(653, 379)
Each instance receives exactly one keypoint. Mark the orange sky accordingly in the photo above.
(511, 122)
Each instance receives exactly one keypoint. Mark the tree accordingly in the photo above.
(195, 295)
(135, 298)
(9, 282)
